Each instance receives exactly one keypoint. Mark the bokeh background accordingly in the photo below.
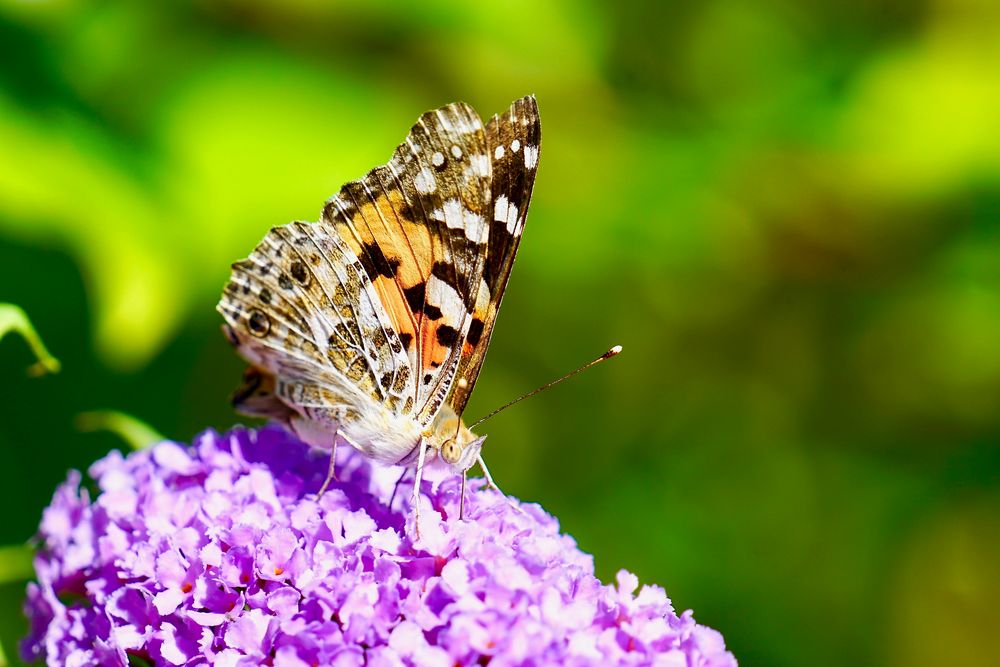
(787, 212)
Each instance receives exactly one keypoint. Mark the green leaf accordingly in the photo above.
(13, 319)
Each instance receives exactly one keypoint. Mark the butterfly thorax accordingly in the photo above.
(383, 435)
(395, 439)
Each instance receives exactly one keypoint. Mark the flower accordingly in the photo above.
(222, 553)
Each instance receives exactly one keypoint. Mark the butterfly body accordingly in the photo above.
(392, 439)
(371, 324)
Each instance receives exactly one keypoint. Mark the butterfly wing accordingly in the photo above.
(302, 308)
(514, 139)
(419, 227)
(257, 396)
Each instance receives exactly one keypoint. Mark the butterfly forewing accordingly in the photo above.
(419, 227)
(514, 139)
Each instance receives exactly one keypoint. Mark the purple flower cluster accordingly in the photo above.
(222, 554)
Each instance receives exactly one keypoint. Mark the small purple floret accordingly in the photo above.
(222, 554)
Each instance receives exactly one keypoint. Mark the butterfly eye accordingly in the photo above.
(451, 452)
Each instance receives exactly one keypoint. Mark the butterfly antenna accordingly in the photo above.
(607, 355)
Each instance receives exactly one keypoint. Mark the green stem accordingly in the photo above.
(136, 433)
(12, 318)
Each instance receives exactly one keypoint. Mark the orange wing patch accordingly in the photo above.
(398, 254)
(395, 252)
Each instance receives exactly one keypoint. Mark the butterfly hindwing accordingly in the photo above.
(514, 139)
(257, 396)
(302, 307)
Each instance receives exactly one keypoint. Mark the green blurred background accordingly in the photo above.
(787, 212)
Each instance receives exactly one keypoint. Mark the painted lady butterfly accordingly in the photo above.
(372, 324)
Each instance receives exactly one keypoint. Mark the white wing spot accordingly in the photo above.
(505, 211)
(530, 156)
(424, 181)
(498, 153)
(437, 159)
(456, 151)
(515, 145)
(481, 165)
(444, 296)
(468, 126)
(484, 292)
(456, 216)
(476, 228)
(452, 214)
(445, 122)
(500, 209)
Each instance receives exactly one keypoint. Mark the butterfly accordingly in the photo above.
(371, 325)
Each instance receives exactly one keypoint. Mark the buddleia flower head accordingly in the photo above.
(221, 553)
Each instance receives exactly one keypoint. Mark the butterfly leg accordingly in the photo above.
(418, 478)
(490, 484)
(331, 473)
(461, 498)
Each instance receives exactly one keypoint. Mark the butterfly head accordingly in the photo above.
(461, 455)
(456, 445)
